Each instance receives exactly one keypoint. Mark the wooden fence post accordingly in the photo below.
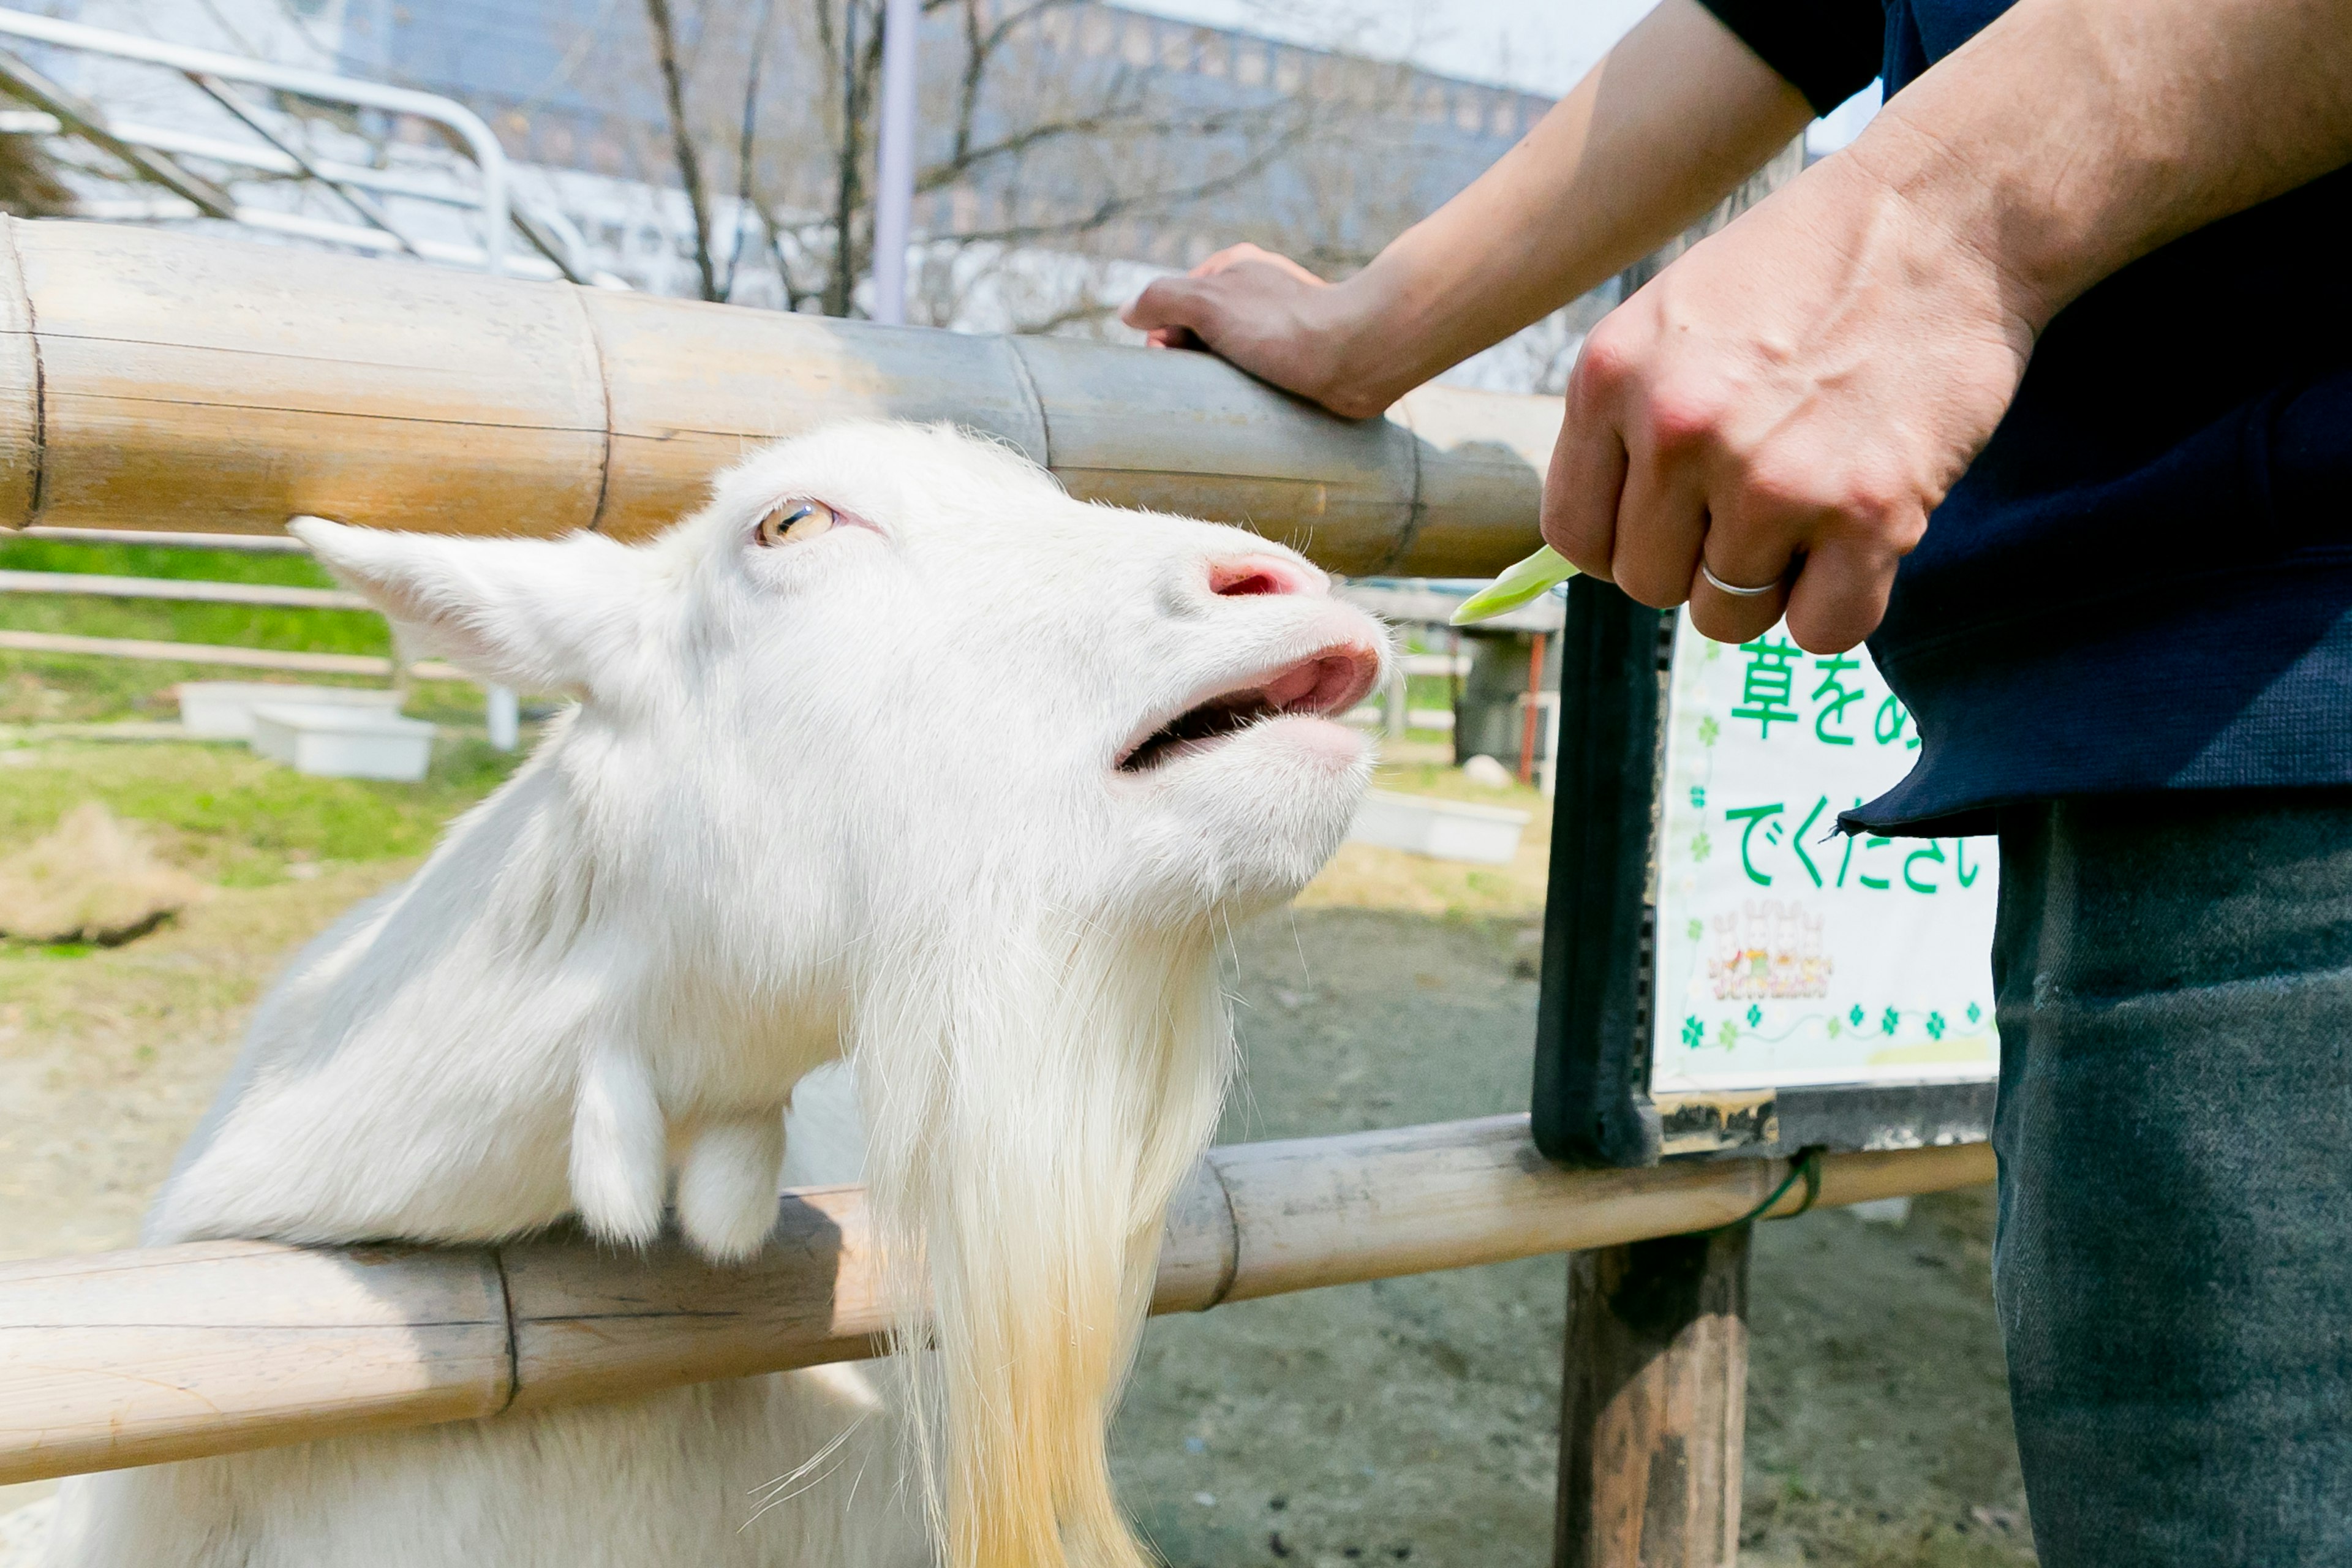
(1653, 1405)
(1653, 1398)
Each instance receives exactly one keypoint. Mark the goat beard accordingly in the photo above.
(1033, 1108)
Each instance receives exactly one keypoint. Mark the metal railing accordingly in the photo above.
(500, 708)
(153, 151)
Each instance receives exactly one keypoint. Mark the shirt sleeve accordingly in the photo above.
(1827, 50)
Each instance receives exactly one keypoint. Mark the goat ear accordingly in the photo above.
(560, 614)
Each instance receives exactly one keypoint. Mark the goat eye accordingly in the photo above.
(790, 522)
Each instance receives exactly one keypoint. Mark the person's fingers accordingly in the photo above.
(1733, 617)
(1186, 311)
(1745, 547)
(1581, 493)
(1661, 520)
(1840, 594)
(1238, 254)
(1167, 304)
(1579, 514)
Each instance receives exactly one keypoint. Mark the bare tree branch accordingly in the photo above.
(1112, 208)
(1029, 137)
(746, 142)
(1055, 151)
(681, 135)
(980, 52)
(848, 166)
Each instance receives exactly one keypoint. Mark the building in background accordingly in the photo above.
(1067, 151)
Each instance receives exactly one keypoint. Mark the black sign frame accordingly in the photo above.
(1592, 1101)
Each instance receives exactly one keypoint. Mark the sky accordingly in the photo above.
(1537, 45)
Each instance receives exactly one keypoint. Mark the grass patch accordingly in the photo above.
(287, 571)
(67, 688)
(1410, 774)
(233, 625)
(243, 626)
(1367, 877)
(37, 689)
(75, 689)
(239, 820)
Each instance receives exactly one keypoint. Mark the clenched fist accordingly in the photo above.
(1783, 407)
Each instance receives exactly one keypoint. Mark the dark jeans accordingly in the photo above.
(2174, 1264)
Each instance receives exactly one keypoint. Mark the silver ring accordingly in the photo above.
(1732, 588)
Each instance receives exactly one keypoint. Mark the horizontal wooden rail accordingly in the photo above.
(222, 654)
(181, 590)
(242, 544)
(134, 1358)
(173, 382)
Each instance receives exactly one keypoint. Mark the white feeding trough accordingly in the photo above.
(342, 741)
(223, 710)
(1441, 829)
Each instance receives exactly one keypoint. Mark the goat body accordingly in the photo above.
(894, 756)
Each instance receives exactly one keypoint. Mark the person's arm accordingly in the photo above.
(1678, 113)
(1790, 400)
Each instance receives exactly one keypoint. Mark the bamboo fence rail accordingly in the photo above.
(176, 383)
(139, 1357)
(163, 383)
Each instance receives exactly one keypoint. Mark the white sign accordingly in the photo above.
(1787, 951)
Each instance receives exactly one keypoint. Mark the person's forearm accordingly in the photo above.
(1766, 429)
(1659, 131)
(2070, 137)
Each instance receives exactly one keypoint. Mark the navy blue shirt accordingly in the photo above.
(2144, 580)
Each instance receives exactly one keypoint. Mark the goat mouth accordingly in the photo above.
(1318, 686)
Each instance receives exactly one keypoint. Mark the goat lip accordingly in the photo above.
(1328, 681)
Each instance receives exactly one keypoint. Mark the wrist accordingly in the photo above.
(1366, 332)
(1957, 221)
(2026, 164)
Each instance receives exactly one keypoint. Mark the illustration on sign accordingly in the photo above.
(1787, 952)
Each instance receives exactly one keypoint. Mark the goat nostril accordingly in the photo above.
(1254, 575)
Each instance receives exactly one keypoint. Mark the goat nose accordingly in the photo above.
(1244, 576)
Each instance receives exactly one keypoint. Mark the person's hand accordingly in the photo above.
(1266, 314)
(1785, 404)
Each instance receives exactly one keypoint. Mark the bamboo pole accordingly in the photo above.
(177, 383)
(139, 1357)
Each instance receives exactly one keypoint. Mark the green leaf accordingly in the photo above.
(1538, 575)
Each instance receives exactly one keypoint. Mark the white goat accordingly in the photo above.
(893, 752)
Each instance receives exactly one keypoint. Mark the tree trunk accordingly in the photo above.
(841, 286)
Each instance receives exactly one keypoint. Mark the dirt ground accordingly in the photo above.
(1413, 1419)
(1405, 1421)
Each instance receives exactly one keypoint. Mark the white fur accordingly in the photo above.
(847, 797)
(620, 1148)
(727, 1185)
